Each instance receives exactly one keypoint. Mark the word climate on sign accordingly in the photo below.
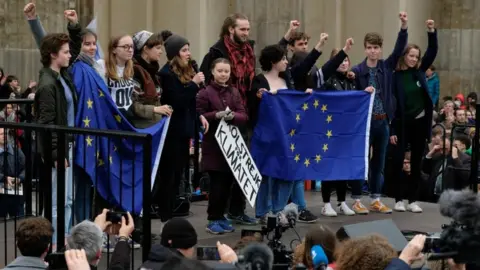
(238, 157)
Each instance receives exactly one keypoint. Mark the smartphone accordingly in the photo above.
(255, 233)
(56, 261)
(207, 254)
(116, 217)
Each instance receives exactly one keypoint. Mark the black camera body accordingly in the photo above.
(273, 233)
(56, 261)
(116, 217)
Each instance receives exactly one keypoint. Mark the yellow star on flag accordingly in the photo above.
(318, 158)
(110, 158)
(329, 119)
(324, 108)
(89, 141)
(297, 118)
(115, 148)
(86, 121)
(329, 133)
(315, 103)
(325, 147)
(297, 158)
(305, 106)
(90, 104)
(100, 162)
(100, 93)
(292, 147)
(292, 132)
(118, 118)
(307, 162)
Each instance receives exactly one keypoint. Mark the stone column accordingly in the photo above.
(458, 59)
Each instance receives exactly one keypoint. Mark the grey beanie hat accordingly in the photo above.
(174, 44)
(140, 38)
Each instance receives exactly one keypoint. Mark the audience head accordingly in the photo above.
(345, 66)
(462, 142)
(460, 116)
(120, 53)
(33, 236)
(410, 58)
(371, 252)
(471, 98)
(437, 132)
(221, 70)
(237, 27)
(179, 234)
(318, 235)
(273, 57)
(89, 42)
(448, 106)
(406, 162)
(148, 45)
(55, 51)
(88, 236)
(373, 43)
(430, 71)
(12, 81)
(444, 144)
(298, 42)
(469, 115)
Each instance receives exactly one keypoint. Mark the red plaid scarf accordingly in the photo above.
(243, 65)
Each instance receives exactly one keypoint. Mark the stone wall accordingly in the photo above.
(18, 51)
(458, 61)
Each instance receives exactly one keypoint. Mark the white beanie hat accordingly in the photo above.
(140, 38)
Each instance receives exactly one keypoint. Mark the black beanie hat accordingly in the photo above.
(173, 44)
(180, 232)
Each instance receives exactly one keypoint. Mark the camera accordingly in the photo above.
(116, 217)
(56, 261)
(459, 240)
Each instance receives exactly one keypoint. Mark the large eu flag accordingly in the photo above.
(115, 165)
(322, 136)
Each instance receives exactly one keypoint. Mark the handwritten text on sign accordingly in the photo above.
(239, 159)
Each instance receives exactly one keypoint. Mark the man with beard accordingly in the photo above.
(235, 46)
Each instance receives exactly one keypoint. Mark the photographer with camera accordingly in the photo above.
(88, 236)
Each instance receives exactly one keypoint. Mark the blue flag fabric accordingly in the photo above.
(115, 165)
(324, 135)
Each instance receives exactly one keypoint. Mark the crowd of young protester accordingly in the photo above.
(408, 123)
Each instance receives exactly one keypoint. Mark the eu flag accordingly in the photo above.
(324, 135)
(113, 164)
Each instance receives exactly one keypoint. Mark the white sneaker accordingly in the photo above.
(414, 208)
(399, 207)
(345, 210)
(328, 211)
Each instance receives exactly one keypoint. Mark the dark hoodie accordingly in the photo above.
(159, 255)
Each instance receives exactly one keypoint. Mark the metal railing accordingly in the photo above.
(36, 186)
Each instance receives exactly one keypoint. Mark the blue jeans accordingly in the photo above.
(379, 138)
(298, 195)
(68, 198)
(272, 196)
(83, 195)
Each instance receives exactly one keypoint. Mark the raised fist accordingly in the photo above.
(294, 25)
(71, 16)
(430, 25)
(348, 45)
(323, 38)
(30, 11)
(403, 18)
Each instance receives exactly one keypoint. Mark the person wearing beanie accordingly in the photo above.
(178, 241)
(147, 53)
(180, 83)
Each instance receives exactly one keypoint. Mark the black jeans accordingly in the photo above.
(328, 186)
(170, 173)
(408, 187)
(223, 187)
